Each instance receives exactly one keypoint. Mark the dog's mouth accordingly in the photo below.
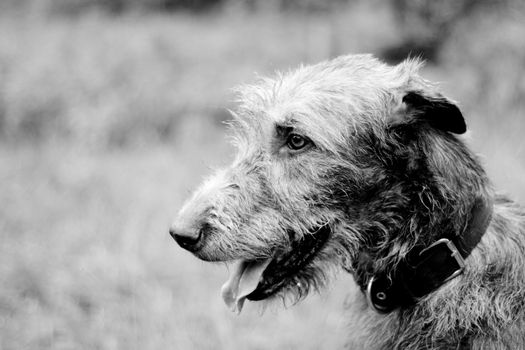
(259, 279)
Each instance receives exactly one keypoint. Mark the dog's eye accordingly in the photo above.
(296, 142)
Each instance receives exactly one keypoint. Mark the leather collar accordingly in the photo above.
(427, 269)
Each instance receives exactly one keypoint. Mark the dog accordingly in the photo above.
(355, 165)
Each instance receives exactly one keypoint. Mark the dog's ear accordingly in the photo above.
(438, 111)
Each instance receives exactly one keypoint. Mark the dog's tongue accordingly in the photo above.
(243, 280)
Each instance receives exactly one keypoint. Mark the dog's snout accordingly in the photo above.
(185, 237)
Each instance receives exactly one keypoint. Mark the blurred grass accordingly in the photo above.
(113, 81)
(108, 122)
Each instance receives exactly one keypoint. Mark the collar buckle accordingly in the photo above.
(454, 253)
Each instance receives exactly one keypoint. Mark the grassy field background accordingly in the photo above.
(108, 122)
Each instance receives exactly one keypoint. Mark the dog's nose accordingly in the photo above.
(185, 237)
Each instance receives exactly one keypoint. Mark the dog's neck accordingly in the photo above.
(424, 269)
(441, 207)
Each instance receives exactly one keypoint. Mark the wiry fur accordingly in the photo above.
(386, 180)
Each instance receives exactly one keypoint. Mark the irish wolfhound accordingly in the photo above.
(356, 164)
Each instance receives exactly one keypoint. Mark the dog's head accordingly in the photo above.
(333, 159)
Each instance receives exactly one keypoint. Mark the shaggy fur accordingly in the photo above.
(386, 175)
